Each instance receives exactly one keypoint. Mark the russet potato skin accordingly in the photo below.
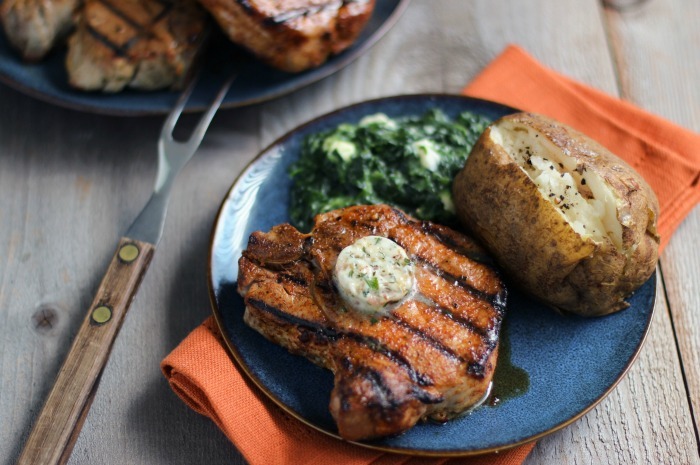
(532, 241)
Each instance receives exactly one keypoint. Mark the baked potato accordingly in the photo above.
(569, 222)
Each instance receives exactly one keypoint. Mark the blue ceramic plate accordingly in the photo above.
(572, 363)
(48, 80)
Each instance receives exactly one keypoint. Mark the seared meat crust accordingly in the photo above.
(34, 26)
(433, 357)
(142, 44)
(292, 35)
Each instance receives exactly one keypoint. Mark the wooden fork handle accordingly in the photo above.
(56, 429)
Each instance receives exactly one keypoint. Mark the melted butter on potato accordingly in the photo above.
(580, 195)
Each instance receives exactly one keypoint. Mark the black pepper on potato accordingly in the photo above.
(570, 222)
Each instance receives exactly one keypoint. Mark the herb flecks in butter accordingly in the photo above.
(405, 162)
(373, 275)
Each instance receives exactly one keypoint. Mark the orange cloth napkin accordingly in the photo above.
(202, 374)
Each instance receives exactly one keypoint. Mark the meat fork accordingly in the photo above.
(57, 427)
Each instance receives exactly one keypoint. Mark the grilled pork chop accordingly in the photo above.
(292, 35)
(142, 44)
(34, 26)
(431, 357)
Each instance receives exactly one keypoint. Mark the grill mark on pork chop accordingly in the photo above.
(427, 228)
(460, 320)
(474, 253)
(463, 322)
(396, 357)
(426, 397)
(295, 279)
(429, 339)
(386, 397)
(292, 35)
(435, 269)
(167, 6)
(474, 367)
(117, 49)
(245, 4)
(119, 13)
(332, 334)
(484, 335)
(327, 285)
(141, 30)
(481, 295)
(379, 383)
(437, 347)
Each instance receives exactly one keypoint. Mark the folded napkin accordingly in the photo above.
(202, 374)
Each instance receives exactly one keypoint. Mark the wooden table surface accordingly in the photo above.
(71, 183)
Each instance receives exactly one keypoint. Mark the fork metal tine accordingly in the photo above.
(172, 156)
(166, 131)
(198, 133)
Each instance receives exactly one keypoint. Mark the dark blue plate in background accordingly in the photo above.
(572, 362)
(48, 80)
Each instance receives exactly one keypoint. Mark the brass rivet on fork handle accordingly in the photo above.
(101, 315)
(56, 429)
(128, 253)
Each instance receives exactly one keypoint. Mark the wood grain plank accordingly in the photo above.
(56, 430)
(644, 420)
(62, 188)
(97, 171)
(656, 45)
(151, 425)
(67, 196)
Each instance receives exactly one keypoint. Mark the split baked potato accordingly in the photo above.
(570, 222)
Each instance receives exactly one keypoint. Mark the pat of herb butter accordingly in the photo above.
(372, 274)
